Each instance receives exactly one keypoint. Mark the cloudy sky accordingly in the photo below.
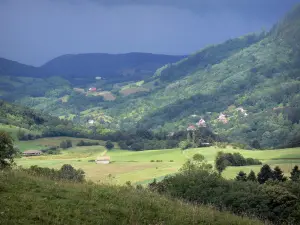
(35, 31)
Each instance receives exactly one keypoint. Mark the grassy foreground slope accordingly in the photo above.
(36, 200)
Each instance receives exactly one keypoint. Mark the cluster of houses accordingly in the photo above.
(222, 119)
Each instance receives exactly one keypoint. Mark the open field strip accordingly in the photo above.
(144, 166)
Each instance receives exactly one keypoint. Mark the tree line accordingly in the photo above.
(267, 196)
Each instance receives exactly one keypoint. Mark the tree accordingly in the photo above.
(69, 143)
(63, 145)
(198, 157)
(278, 174)
(241, 176)
(184, 145)
(252, 176)
(295, 174)
(68, 172)
(265, 174)
(221, 162)
(109, 145)
(7, 150)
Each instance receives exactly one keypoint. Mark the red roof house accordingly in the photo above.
(92, 89)
(191, 128)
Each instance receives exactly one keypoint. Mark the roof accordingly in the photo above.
(191, 127)
(31, 151)
(103, 158)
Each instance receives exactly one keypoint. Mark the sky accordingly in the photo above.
(36, 31)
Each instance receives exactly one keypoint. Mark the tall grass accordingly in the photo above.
(37, 200)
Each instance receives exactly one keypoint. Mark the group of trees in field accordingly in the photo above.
(267, 196)
(66, 144)
(224, 160)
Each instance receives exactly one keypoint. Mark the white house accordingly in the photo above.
(103, 160)
(91, 122)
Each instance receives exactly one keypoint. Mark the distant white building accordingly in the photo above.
(91, 122)
(103, 160)
(243, 111)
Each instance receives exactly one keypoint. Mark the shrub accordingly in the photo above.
(184, 145)
(66, 172)
(274, 201)
(109, 145)
(7, 150)
(87, 143)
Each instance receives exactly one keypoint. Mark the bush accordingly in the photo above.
(274, 201)
(87, 143)
(66, 144)
(184, 145)
(236, 159)
(66, 172)
(109, 145)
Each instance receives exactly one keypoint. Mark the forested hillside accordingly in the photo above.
(256, 87)
(34, 124)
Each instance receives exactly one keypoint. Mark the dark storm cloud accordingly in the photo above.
(34, 31)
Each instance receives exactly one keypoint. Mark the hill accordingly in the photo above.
(36, 200)
(253, 80)
(121, 67)
(13, 68)
(246, 89)
(27, 124)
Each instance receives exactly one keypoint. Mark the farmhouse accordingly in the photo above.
(93, 89)
(191, 128)
(91, 122)
(222, 118)
(32, 153)
(201, 123)
(103, 160)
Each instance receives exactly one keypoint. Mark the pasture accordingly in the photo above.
(142, 167)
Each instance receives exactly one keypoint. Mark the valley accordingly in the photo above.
(143, 167)
(210, 137)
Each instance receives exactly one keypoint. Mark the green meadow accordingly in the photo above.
(143, 166)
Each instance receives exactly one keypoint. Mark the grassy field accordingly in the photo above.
(137, 166)
(37, 200)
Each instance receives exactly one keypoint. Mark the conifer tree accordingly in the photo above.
(252, 176)
(295, 174)
(265, 174)
(242, 176)
(278, 174)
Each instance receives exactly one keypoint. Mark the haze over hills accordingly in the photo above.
(130, 66)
